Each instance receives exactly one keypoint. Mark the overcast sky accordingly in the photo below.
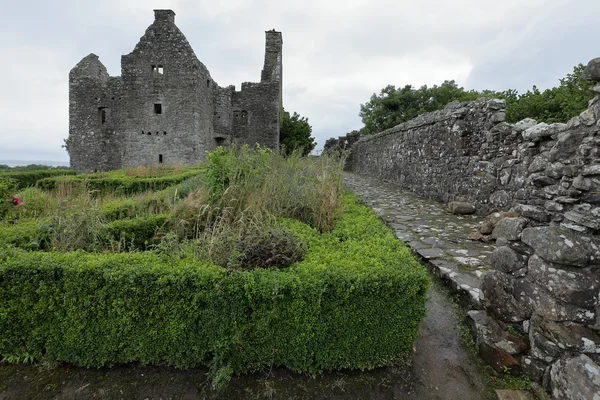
(336, 53)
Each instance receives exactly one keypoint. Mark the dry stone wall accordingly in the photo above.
(542, 306)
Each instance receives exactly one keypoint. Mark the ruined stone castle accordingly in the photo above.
(165, 109)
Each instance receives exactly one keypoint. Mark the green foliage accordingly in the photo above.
(295, 134)
(137, 233)
(355, 301)
(27, 178)
(7, 187)
(396, 105)
(558, 104)
(118, 184)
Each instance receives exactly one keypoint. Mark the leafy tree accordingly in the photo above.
(558, 104)
(295, 133)
(394, 106)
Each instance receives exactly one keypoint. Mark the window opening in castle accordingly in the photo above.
(158, 70)
(160, 158)
(157, 108)
(102, 111)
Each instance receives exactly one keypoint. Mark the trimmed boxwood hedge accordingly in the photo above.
(355, 301)
(120, 185)
(25, 179)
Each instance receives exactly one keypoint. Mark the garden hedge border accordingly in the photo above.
(26, 179)
(355, 301)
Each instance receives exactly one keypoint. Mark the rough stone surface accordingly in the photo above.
(530, 295)
(546, 267)
(507, 260)
(575, 378)
(509, 228)
(165, 108)
(561, 246)
(497, 288)
(566, 336)
(580, 287)
(592, 70)
(426, 227)
(461, 207)
(487, 330)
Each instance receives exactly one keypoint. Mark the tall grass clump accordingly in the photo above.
(265, 182)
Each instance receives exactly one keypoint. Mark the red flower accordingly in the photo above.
(16, 201)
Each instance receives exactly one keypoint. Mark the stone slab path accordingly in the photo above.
(433, 233)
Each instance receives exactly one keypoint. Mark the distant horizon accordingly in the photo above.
(22, 163)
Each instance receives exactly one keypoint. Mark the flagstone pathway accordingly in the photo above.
(433, 233)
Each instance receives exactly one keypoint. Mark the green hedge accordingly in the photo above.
(120, 185)
(28, 234)
(30, 178)
(137, 233)
(355, 301)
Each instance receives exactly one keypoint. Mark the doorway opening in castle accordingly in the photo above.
(157, 108)
(160, 158)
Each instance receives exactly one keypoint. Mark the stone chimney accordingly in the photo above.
(164, 16)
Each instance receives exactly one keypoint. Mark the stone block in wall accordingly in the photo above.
(571, 337)
(532, 296)
(533, 368)
(487, 330)
(586, 215)
(540, 179)
(591, 170)
(509, 228)
(532, 212)
(575, 378)
(497, 288)
(542, 131)
(507, 260)
(496, 345)
(524, 124)
(578, 286)
(561, 246)
(566, 145)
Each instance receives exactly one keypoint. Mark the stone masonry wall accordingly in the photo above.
(165, 108)
(542, 299)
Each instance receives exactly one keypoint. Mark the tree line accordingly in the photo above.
(393, 106)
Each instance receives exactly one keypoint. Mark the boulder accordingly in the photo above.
(524, 124)
(561, 246)
(461, 207)
(509, 228)
(533, 212)
(567, 336)
(541, 131)
(575, 378)
(577, 286)
(530, 295)
(507, 260)
(533, 368)
(487, 330)
(586, 215)
(592, 70)
(497, 288)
